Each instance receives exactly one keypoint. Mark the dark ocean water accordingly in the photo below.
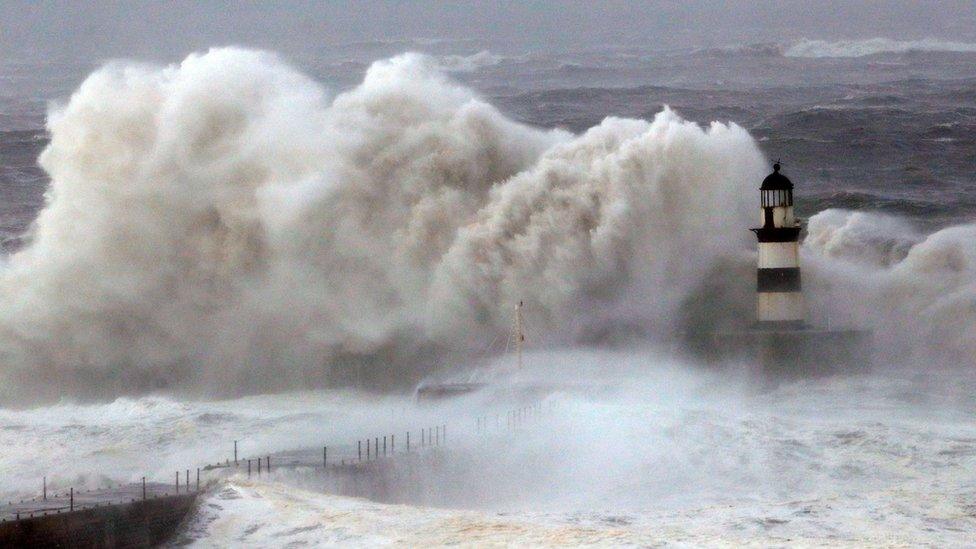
(892, 131)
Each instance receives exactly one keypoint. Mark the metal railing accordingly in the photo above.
(359, 457)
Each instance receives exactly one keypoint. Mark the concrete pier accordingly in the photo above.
(779, 354)
(138, 524)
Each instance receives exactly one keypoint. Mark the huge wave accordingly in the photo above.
(225, 223)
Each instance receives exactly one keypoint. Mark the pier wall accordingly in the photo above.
(138, 524)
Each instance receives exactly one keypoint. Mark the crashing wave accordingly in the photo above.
(224, 222)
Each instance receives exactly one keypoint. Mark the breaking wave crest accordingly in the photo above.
(225, 223)
(873, 46)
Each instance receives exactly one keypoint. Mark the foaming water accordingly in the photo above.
(667, 453)
(91, 446)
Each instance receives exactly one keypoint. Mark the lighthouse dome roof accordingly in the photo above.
(776, 181)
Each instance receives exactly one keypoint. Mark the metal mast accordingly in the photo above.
(519, 335)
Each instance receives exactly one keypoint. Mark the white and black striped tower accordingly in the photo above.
(780, 300)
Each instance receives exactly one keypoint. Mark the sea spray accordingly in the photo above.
(223, 224)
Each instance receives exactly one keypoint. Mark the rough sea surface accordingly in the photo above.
(676, 456)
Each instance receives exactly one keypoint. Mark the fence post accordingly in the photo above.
(187, 481)
(325, 457)
(359, 444)
(392, 444)
(45, 488)
(143, 488)
(71, 504)
(177, 483)
(408, 442)
(259, 466)
(368, 442)
(198, 479)
(235, 453)
(269, 465)
(376, 447)
(248, 468)
(384, 445)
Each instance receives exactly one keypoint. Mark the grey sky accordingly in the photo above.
(92, 30)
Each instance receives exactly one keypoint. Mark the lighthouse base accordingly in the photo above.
(787, 352)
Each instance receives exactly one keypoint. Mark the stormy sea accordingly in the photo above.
(242, 245)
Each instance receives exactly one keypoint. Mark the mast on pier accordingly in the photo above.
(518, 333)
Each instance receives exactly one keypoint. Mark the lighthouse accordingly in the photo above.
(780, 343)
(780, 301)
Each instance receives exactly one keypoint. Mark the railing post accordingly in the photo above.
(71, 501)
(143, 488)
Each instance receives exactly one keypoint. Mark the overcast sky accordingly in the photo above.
(94, 30)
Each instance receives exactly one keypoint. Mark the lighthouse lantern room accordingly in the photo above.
(780, 301)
